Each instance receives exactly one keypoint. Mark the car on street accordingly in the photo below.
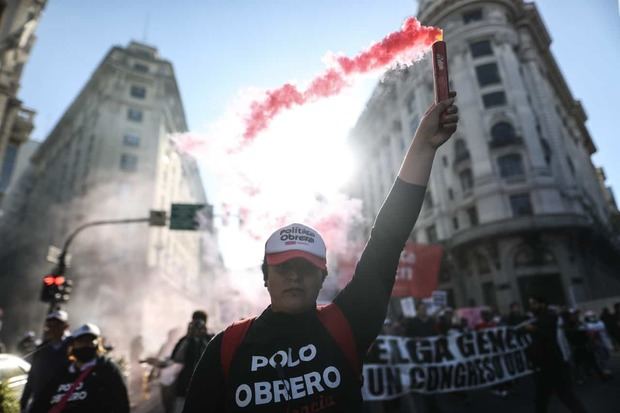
(14, 372)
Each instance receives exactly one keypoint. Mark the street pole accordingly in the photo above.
(61, 266)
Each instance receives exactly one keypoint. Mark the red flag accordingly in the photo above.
(418, 270)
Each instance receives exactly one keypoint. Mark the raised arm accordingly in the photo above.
(365, 299)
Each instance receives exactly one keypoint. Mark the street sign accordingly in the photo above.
(183, 216)
(157, 218)
(53, 256)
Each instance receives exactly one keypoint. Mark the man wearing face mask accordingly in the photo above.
(91, 383)
(50, 357)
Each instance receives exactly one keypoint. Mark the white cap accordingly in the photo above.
(85, 329)
(58, 315)
(296, 241)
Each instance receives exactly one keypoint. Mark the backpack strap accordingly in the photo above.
(339, 328)
(231, 339)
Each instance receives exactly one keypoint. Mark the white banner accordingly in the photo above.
(399, 365)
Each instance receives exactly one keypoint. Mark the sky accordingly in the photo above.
(220, 48)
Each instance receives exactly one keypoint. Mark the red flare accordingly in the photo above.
(379, 55)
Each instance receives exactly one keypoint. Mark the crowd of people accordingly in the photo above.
(569, 345)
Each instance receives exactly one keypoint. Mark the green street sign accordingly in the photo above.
(183, 216)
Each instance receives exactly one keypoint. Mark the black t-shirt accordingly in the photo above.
(187, 352)
(102, 391)
(46, 362)
(316, 375)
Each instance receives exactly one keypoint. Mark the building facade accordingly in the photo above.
(514, 196)
(112, 156)
(18, 21)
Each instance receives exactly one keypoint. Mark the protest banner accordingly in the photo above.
(399, 365)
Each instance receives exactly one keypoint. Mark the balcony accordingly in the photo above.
(23, 124)
(505, 142)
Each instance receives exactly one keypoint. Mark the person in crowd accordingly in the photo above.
(486, 320)
(515, 316)
(552, 372)
(49, 358)
(613, 326)
(136, 371)
(299, 357)
(163, 370)
(446, 324)
(583, 357)
(600, 343)
(91, 383)
(27, 345)
(187, 353)
(420, 326)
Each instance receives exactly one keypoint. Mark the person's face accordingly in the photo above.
(422, 311)
(85, 341)
(54, 329)
(514, 308)
(534, 305)
(293, 285)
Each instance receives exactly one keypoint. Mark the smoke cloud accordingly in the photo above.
(399, 47)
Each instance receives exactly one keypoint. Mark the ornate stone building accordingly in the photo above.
(18, 21)
(111, 156)
(514, 196)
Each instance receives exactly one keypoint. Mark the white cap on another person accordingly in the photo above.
(296, 241)
(86, 329)
(59, 315)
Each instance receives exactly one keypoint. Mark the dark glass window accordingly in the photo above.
(494, 99)
(129, 163)
(131, 139)
(520, 205)
(431, 234)
(455, 223)
(138, 92)
(467, 180)
(571, 166)
(487, 74)
(546, 149)
(481, 48)
(510, 165)
(460, 150)
(472, 214)
(139, 67)
(450, 194)
(411, 103)
(134, 115)
(472, 16)
(502, 133)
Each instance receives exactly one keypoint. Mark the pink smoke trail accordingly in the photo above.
(393, 48)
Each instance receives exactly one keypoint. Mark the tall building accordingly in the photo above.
(514, 196)
(18, 21)
(111, 157)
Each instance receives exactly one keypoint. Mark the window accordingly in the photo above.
(460, 150)
(450, 194)
(487, 74)
(520, 205)
(413, 124)
(428, 200)
(139, 67)
(455, 223)
(444, 160)
(481, 48)
(431, 234)
(510, 165)
(494, 99)
(546, 150)
(397, 126)
(472, 16)
(138, 92)
(467, 180)
(134, 115)
(488, 294)
(129, 163)
(472, 214)
(502, 133)
(411, 103)
(131, 139)
(8, 165)
(571, 166)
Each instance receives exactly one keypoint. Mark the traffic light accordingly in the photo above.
(56, 288)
